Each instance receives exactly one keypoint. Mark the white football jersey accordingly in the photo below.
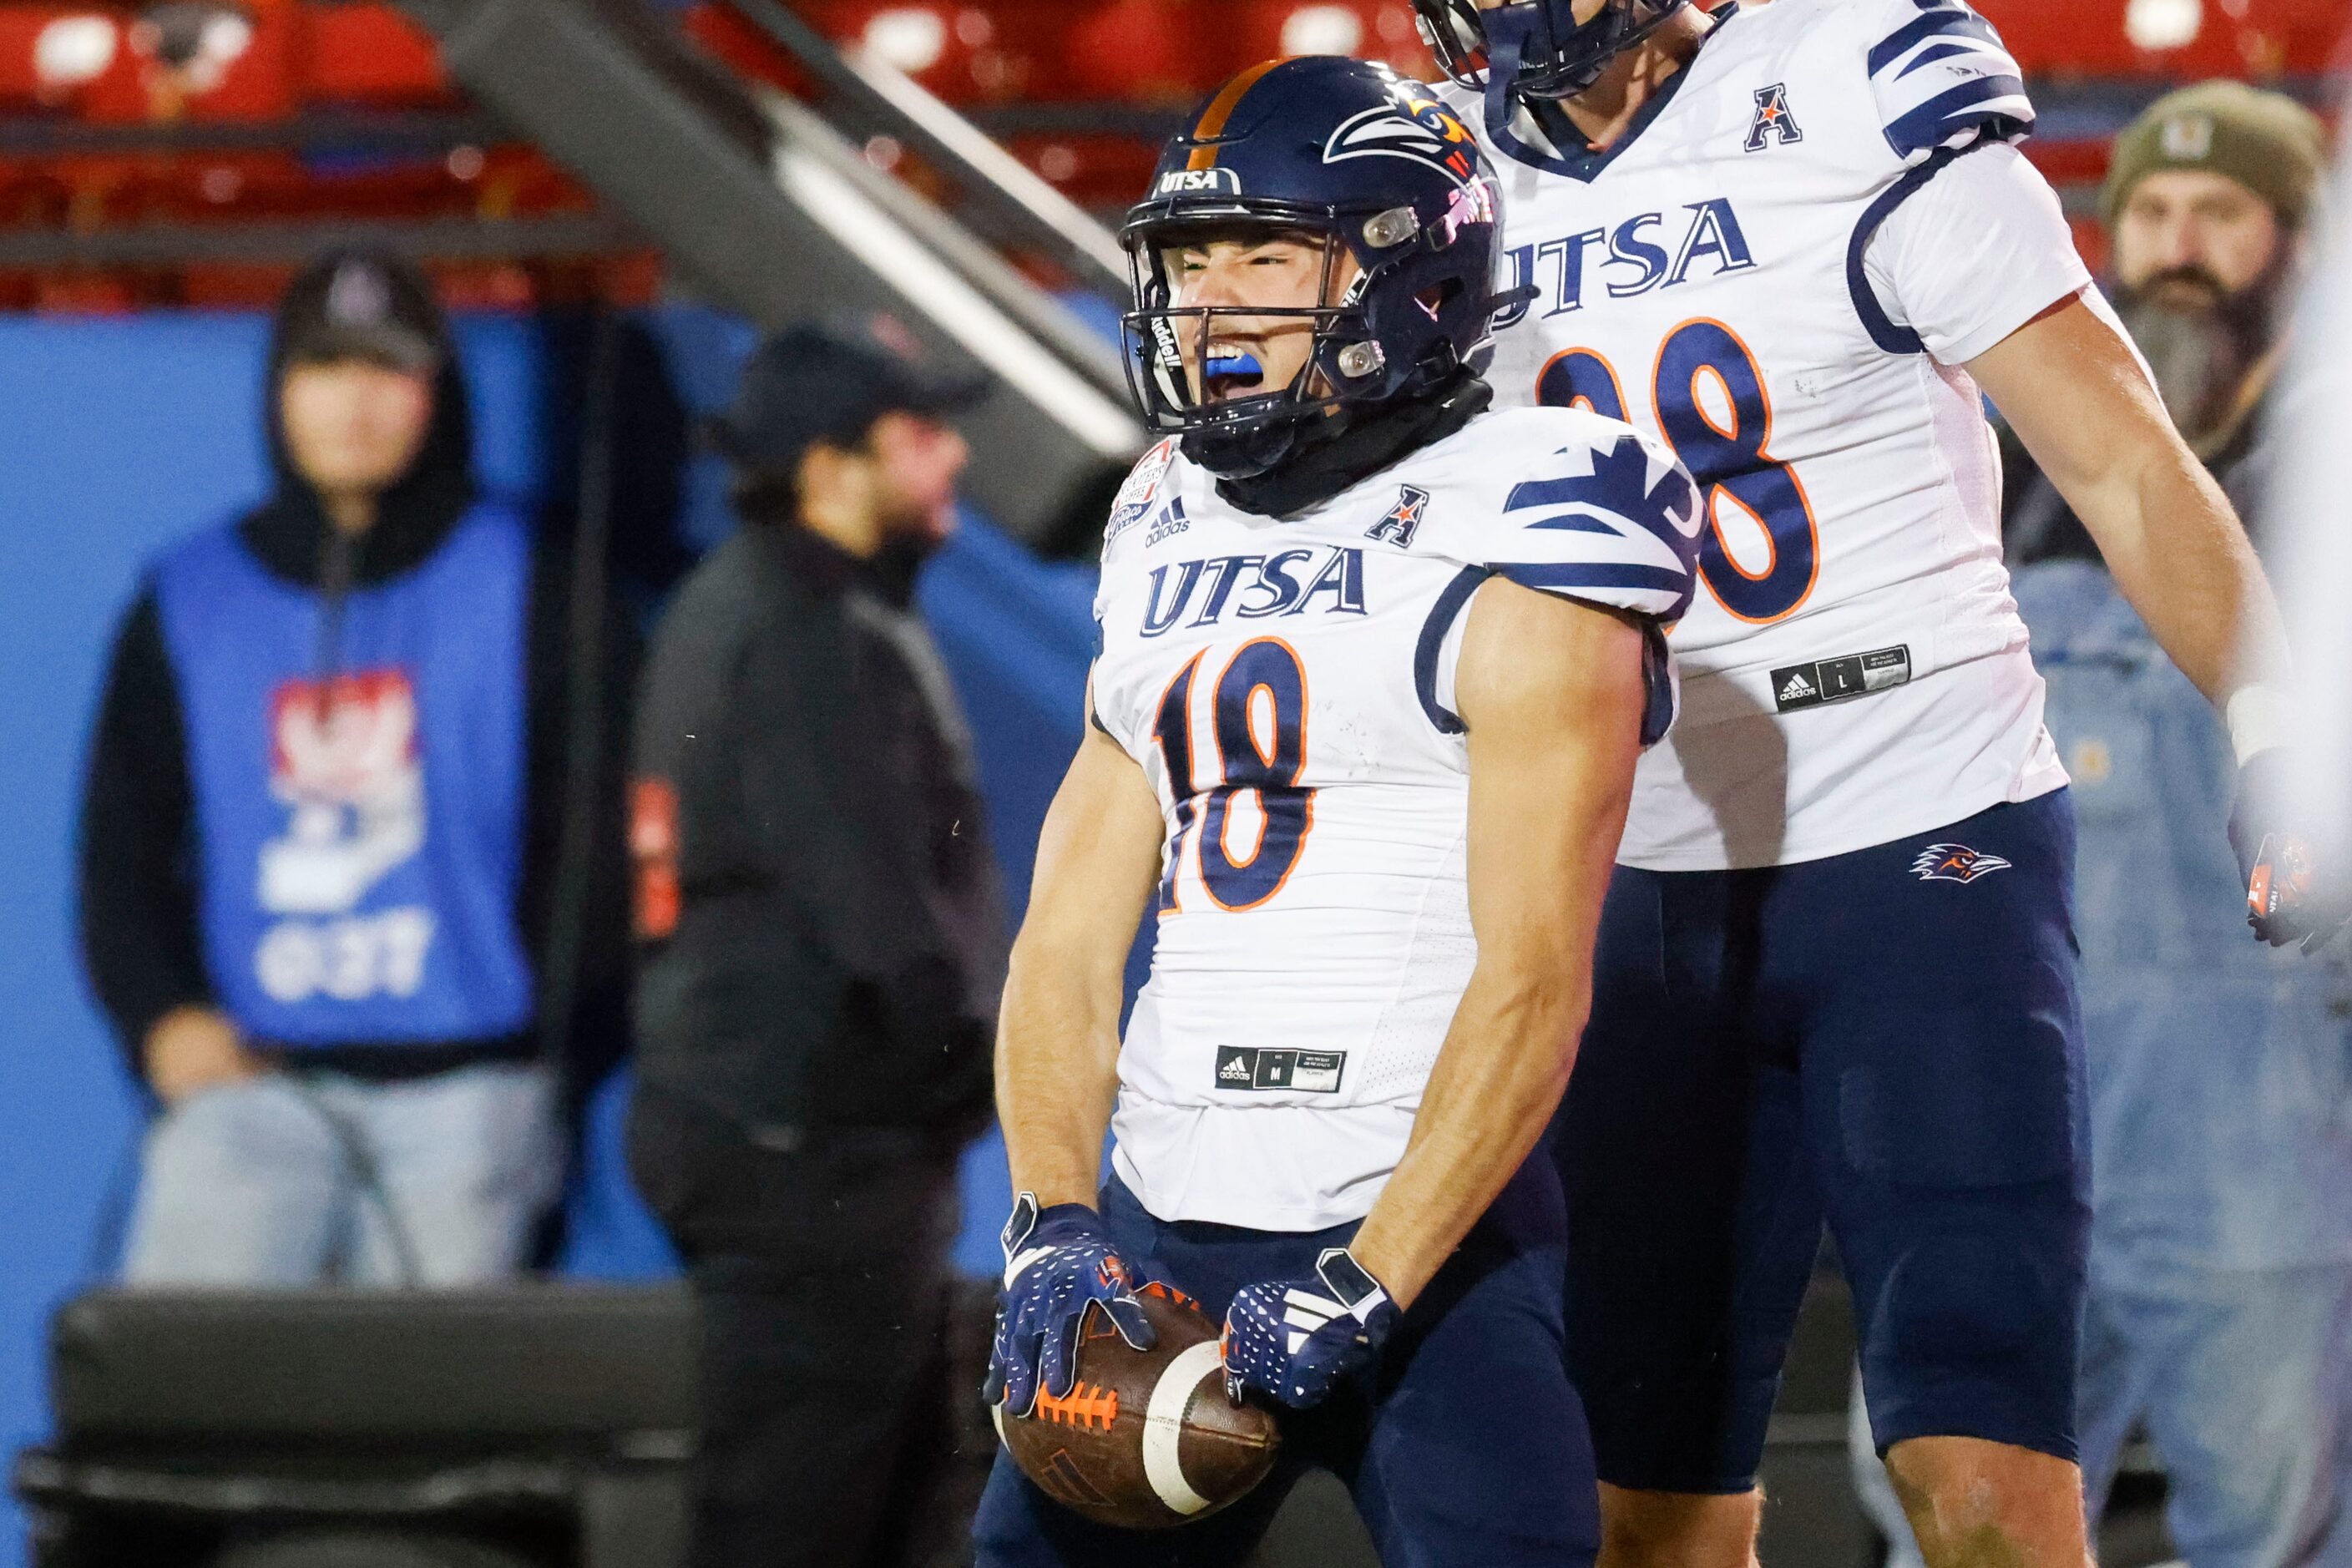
(1287, 685)
(1776, 271)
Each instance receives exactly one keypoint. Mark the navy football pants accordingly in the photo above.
(1887, 1040)
(1465, 1446)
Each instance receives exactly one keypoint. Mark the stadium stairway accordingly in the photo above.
(765, 209)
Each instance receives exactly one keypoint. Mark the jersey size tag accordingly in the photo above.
(1835, 679)
(1310, 1072)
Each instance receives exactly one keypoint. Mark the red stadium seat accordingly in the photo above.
(371, 55)
(1368, 29)
(1144, 51)
(744, 48)
(2178, 38)
(106, 64)
(255, 81)
(1104, 173)
(56, 57)
(82, 47)
(998, 52)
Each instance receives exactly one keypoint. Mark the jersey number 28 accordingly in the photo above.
(1259, 719)
(1733, 461)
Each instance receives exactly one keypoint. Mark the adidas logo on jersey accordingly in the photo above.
(1797, 685)
(1171, 523)
(1251, 1066)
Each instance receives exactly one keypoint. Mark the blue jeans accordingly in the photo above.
(294, 1179)
(2244, 1379)
(2242, 1376)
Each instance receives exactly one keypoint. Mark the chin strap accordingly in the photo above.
(1506, 51)
(1327, 457)
(1502, 49)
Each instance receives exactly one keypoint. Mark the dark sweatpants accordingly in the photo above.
(821, 1274)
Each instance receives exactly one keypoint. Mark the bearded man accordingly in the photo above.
(2208, 199)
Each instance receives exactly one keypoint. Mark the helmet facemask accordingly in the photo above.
(1457, 36)
(1534, 48)
(1198, 370)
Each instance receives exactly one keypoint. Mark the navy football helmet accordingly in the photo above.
(1372, 163)
(1534, 48)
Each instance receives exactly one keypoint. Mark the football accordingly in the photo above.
(1144, 1439)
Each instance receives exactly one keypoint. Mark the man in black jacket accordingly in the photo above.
(824, 947)
(325, 805)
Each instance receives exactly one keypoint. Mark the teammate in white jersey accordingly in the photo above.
(1376, 668)
(1835, 977)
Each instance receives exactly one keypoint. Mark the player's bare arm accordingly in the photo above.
(1552, 693)
(1057, 1039)
(1057, 1070)
(2077, 396)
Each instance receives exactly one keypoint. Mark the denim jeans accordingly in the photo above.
(2240, 1380)
(2241, 1377)
(297, 1178)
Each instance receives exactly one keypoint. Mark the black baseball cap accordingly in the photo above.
(359, 303)
(829, 381)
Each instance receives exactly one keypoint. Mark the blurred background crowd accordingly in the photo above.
(644, 460)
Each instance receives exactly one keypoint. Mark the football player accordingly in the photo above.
(1376, 665)
(1835, 976)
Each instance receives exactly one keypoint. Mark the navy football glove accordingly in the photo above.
(2289, 896)
(1057, 1263)
(1296, 1339)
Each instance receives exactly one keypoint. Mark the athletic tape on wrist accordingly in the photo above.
(2260, 718)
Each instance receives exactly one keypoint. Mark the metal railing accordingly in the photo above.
(764, 208)
(1016, 202)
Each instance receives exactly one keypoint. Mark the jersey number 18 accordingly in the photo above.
(1259, 719)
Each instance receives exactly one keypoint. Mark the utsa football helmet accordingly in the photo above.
(1372, 163)
(1534, 48)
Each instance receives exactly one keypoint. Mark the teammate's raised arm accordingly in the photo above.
(1552, 693)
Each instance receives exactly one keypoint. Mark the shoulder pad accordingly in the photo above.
(1596, 510)
(1941, 76)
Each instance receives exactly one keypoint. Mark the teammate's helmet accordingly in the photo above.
(1535, 47)
(1367, 160)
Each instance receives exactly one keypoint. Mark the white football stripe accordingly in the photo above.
(1163, 1425)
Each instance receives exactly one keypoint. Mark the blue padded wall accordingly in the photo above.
(117, 436)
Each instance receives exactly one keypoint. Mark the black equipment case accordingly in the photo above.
(537, 1425)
